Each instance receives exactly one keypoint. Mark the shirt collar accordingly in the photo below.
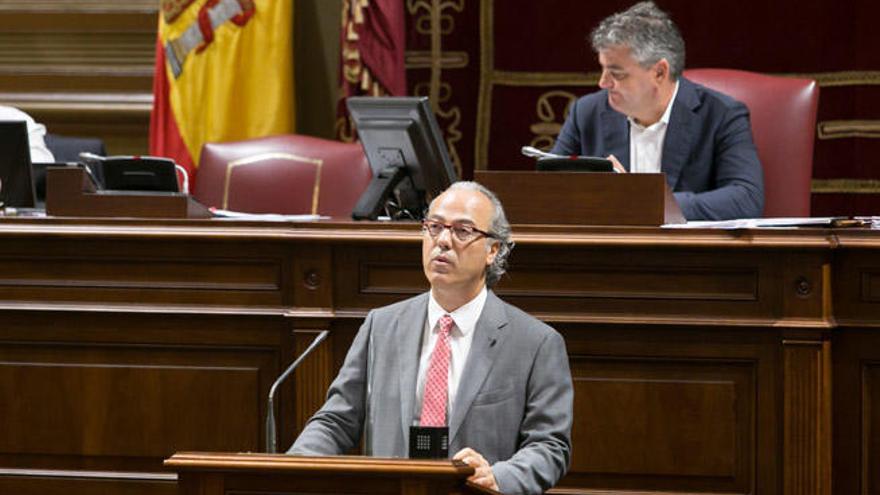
(664, 119)
(465, 317)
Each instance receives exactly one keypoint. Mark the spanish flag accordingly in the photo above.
(224, 72)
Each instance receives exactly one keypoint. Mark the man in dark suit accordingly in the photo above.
(456, 356)
(648, 118)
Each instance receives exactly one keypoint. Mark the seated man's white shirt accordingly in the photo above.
(460, 339)
(646, 143)
(36, 132)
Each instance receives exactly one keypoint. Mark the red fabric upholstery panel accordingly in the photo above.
(783, 114)
(280, 174)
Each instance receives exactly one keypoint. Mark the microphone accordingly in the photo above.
(271, 440)
(532, 152)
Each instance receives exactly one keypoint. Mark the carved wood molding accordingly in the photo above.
(807, 413)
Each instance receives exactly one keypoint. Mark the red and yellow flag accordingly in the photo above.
(224, 72)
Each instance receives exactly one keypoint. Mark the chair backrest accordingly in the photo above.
(68, 148)
(783, 116)
(289, 174)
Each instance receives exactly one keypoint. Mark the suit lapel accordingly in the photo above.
(615, 130)
(487, 342)
(410, 326)
(683, 125)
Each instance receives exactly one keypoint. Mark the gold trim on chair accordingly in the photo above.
(845, 186)
(250, 160)
(837, 129)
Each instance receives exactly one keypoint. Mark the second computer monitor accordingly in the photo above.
(16, 176)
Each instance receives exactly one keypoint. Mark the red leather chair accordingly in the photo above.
(783, 115)
(287, 174)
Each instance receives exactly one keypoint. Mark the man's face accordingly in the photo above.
(632, 89)
(449, 262)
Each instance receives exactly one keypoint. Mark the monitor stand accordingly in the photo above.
(392, 183)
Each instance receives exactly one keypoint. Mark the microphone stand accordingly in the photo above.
(271, 438)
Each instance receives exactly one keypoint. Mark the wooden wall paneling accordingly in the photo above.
(871, 424)
(682, 410)
(807, 415)
(857, 283)
(637, 283)
(312, 378)
(34, 482)
(652, 352)
(856, 402)
(171, 381)
(88, 270)
(367, 279)
(312, 276)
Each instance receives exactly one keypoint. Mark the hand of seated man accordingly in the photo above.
(618, 167)
(483, 475)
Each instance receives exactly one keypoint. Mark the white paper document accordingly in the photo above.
(756, 223)
(266, 217)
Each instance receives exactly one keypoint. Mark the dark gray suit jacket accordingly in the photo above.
(709, 157)
(514, 402)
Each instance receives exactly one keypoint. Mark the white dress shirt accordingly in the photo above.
(646, 143)
(460, 339)
(39, 152)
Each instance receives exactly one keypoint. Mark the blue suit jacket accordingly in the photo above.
(709, 157)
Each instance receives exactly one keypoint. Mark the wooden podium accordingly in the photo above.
(70, 193)
(268, 474)
(583, 198)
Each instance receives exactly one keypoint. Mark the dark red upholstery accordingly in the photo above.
(783, 114)
(280, 174)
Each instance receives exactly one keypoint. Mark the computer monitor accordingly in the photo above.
(16, 175)
(406, 152)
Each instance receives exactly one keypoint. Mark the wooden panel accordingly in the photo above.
(856, 360)
(141, 272)
(313, 378)
(807, 418)
(870, 287)
(857, 287)
(72, 402)
(312, 277)
(603, 281)
(871, 426)
(116, 392)
(85, 483)
(367, 279)
(682, 410)
(665, 421)
(676, 339)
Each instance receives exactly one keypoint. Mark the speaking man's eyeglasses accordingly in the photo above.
(462, 231)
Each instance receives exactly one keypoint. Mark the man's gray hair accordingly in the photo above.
(648, 32)
(499, 227)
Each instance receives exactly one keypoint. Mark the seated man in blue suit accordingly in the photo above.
(456, 356)
(650, 119)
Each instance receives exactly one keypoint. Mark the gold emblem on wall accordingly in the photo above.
(547, 109)
(434, 18)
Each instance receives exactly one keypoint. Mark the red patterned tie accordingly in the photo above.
(437, 379)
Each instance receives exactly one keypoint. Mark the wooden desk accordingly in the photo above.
(271, 474)
(702, 360)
